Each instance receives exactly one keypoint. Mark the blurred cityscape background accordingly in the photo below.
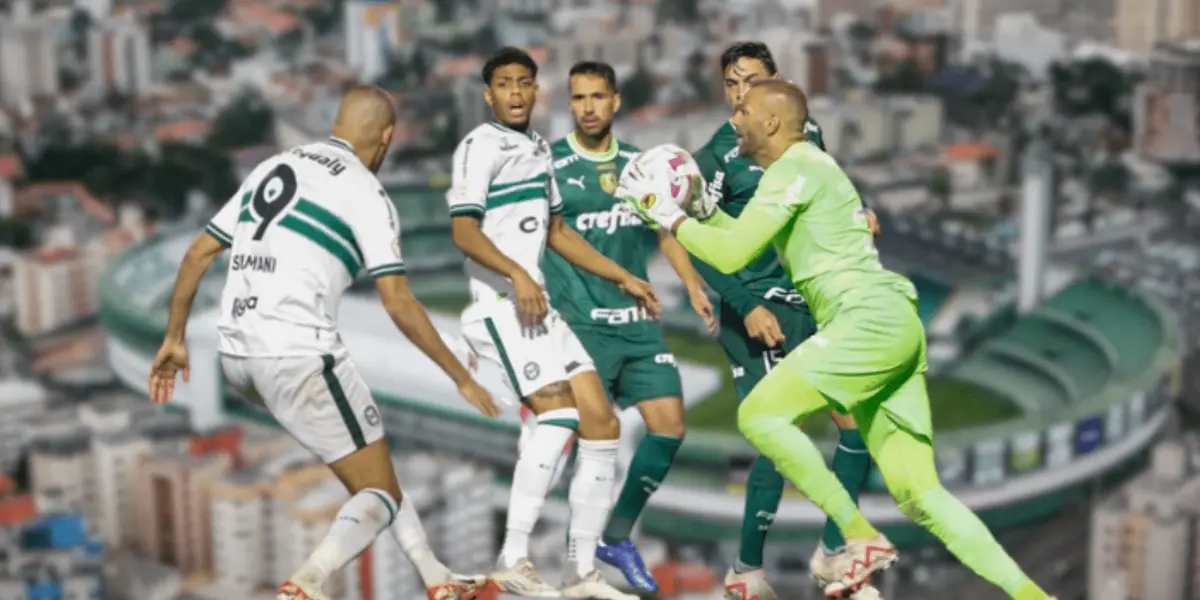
(1035, 165)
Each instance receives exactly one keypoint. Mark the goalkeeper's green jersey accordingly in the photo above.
(732, 180)
(586, 182)
(808, 211)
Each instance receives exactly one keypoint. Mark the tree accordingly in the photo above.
(289, 44)
(246, 121)
(195, 11)
(678, 11)
(16, 233)
(905, 79)
(940, 187)
(419, 65)
(1090, 86)
(638, 90)
(81, 27)
(697, 77)
(324, 17)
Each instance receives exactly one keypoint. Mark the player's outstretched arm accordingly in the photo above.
(571, 246)
(412, 320)
(729, 244)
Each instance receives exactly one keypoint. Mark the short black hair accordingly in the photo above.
(755, 50)
(597, 68)
(508, 55)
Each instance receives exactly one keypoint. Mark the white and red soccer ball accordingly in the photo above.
(666, 172)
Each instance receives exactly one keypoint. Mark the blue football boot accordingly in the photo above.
(624, 556)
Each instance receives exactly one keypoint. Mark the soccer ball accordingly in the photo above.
(666, 172)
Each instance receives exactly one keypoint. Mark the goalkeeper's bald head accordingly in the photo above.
(784, 100)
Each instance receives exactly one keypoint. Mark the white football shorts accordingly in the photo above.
(531, 357)
(320, 400)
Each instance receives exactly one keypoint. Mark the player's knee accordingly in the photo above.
(752, 421)
(664, 416)
(669, 428)
(599, 423)
(552, 397)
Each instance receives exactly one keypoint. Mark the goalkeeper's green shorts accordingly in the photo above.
(872, 351)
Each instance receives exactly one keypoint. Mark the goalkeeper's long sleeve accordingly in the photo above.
(728, 244)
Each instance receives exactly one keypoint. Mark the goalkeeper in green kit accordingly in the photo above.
(868, 357)
(762, 319)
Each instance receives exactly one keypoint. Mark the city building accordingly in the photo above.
(55, 285)
(28, 53)
(11, 170)
(1166, 128)
(372, 34)
(172, 501)
(267, 519)
(46, 551)
(20, 401)
(1144, 540)
(119, 53)
(1142, 24)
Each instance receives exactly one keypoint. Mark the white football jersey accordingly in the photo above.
(302, 226)
(505, 178)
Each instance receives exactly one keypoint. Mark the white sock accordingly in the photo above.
(591, 499)
(531, 480)
(409, 532)
(357, 524)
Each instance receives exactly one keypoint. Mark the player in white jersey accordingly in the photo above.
(504, 208)
(302, 226)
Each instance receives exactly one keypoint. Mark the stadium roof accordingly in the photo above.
(1089, 338)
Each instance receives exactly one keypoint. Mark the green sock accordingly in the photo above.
(646, 472)
(764, 490)
(851, 465)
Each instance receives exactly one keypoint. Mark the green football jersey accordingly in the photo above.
(586, 182)
(732, 180)
(808, 209)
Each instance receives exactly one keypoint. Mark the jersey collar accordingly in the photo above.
(606, 156)
(340, 143)
(504, 127)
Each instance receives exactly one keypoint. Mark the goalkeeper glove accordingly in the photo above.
(636, 191)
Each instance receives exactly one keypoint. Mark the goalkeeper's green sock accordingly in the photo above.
(851, 465)
(767, 420)
(646, 472)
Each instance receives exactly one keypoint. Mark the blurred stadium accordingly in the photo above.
(1031, 406)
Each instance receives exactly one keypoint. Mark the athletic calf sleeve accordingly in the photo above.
(532, 478)
(354, 528)
(410, 534)
(646, 472)
(590, 498)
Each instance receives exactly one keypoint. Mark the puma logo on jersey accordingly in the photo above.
(756, 168)
(576, 181)
(731, 155)
(506, 145)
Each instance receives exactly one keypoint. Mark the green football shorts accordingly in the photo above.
(632, 372)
